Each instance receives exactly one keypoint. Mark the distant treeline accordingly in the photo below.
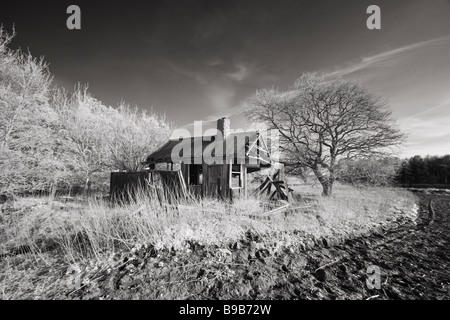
(431, 170)
(419, 172)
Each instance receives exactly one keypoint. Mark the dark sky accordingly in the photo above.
(197, 60)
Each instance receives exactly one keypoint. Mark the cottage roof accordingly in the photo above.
(247, 145)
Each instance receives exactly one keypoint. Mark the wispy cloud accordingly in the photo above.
(415, 79)
(213, 62)
(387, 57)
(428, 130)
(219, 83)
(241, 73)
(176, 68)
(234, 111)
(440, 111)
(220, 95)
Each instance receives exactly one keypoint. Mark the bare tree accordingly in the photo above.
(321, 121)
(27, 122)
(83, 121)
(100, 138)
(49, 137)
(133, 134)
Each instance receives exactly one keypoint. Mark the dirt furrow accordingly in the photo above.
(413, 260)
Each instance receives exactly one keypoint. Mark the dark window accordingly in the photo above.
(195, 174)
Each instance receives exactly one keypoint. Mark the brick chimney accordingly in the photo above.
(223, 125)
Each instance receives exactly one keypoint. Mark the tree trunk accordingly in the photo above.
(331, 180)
(87, 187)
(326, 188)
(326, 182)
(330, 187)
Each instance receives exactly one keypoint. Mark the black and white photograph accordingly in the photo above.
(242, 152)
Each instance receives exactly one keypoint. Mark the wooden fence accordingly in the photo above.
(166, 185)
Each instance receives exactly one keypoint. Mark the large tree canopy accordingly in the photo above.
(321, 121)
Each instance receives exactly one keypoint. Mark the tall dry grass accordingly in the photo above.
(98, 228)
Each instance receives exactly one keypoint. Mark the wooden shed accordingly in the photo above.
(235, 155)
